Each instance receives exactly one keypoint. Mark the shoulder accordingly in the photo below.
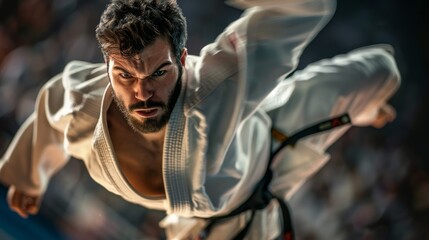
(82, 66)
(76, 93)
(84, 76)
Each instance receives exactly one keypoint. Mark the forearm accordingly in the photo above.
(14, 165)
(35, 153)
(382, 81)
(358, 83)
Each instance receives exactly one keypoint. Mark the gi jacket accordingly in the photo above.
(218, 139)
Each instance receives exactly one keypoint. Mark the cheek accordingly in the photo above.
(166, 90)
(119, 89)
(171, 83)
(122, 94)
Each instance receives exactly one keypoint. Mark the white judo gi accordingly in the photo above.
(218, 138)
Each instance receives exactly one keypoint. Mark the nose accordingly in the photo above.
(144, 89)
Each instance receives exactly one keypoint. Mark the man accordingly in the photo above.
(191, 135)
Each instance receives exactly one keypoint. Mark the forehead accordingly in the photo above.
(157, 52)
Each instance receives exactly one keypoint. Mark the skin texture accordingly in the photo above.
(145, 91)
(145, 86)
(147, 83)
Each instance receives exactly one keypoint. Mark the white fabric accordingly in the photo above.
(218, 138)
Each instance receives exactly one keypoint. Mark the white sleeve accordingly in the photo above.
(244, 64)
(255, 50)
(357, 83)
(36, 151)
(66, 111)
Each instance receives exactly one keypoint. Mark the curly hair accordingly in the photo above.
(128, 26)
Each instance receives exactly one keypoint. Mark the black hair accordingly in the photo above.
(128, 26)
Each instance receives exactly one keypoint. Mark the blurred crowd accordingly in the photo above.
(376, 185)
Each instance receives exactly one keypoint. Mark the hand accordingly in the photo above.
(386, 114)
(22, 203)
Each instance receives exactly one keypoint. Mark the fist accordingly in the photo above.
(386, 114)
(22, 203)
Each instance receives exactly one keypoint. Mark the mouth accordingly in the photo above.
(148, 112)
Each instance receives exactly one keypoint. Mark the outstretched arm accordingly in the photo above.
(65, 115)
(358, 83)
(35, 154)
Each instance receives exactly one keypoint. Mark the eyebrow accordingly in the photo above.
(166, 63)
(120, 69)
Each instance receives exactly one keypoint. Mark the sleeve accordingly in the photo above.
(42, 144)
(357, 83)
(244, 64)
(36, 151)
(255, 50)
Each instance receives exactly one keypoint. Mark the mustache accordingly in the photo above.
(146, 104)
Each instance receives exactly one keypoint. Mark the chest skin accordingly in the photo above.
(140, 163)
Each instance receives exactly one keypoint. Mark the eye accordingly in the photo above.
(125, 75)
(159, 73)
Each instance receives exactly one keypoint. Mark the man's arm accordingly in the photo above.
(244, 64)
(42, 144)
(358, 83)
(34, 154)
(264, 44)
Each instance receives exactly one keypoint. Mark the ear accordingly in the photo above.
(183, 56)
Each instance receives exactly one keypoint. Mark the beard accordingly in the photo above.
(150, 125)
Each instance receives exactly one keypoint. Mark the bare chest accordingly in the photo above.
(142, 169)
(139, 160)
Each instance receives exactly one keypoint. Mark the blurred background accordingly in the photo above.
(376, 185)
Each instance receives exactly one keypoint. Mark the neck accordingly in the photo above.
(155, 140)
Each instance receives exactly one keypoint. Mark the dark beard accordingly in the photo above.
(151, 125)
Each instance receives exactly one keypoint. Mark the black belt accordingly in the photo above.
(261, 196)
